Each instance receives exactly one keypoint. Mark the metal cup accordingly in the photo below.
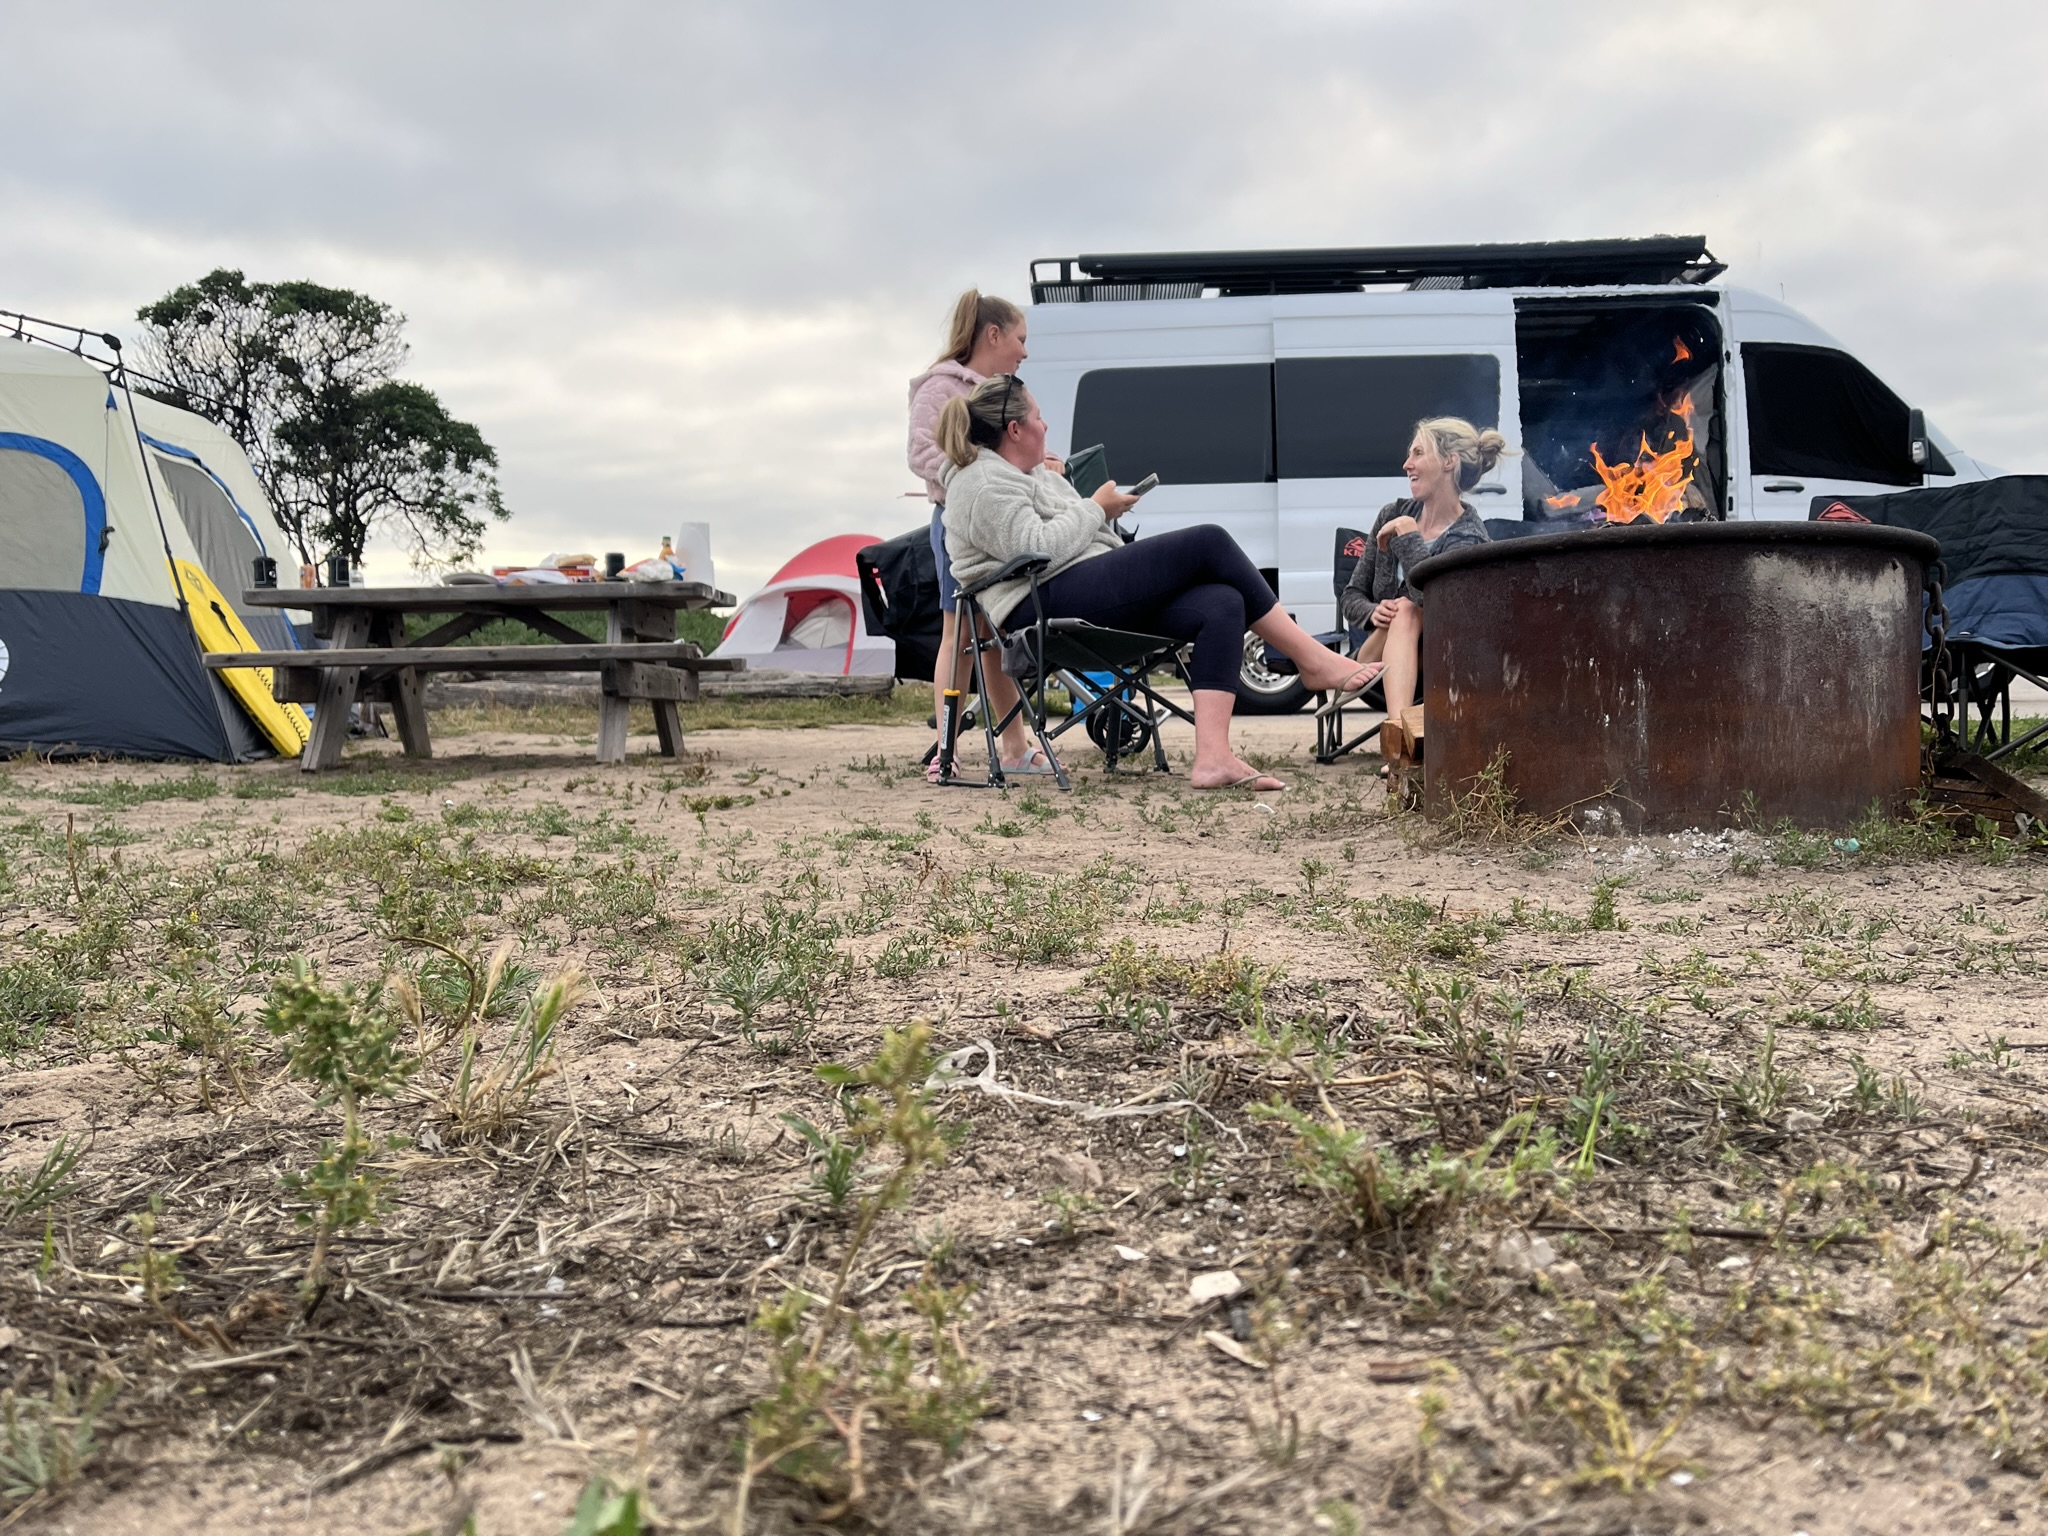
(337, 570)
(264, 572)
(613, 565)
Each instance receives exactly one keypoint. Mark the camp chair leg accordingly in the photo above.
(1037, 719)
(338, 689)
(409, 708)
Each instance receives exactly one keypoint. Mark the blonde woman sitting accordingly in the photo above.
(1194, 584)
(1448, 455)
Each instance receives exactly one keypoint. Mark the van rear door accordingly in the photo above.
(1605, 379)
(1352, 375)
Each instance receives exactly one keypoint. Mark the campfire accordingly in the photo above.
(1653, 486)
(1668, 404)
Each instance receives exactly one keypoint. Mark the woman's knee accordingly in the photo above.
(1407, 617)
(1221, 607)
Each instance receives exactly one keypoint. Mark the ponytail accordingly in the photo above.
(951, 434)
(969, 423)
(973, 313)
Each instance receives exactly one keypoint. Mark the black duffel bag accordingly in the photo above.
(899, 597)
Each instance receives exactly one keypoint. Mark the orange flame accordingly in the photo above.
(1653, 486)
(1568, 499)
(1680, 351)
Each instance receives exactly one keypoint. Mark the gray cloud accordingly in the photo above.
(679, 260)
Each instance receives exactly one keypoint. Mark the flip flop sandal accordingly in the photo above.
(1353, 689)
(1035, 762)
(931, 771)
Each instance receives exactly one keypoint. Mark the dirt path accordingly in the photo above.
(1631, 1184)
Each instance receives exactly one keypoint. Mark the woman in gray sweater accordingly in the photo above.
(1194, 584)
(1448, 455)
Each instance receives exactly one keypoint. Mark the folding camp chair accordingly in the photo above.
(1352, 546)
(1106, 673)
(899, 598)
(1994, 569)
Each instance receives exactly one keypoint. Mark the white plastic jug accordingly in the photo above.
(693, 553)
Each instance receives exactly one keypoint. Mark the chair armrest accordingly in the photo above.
(1021, 566)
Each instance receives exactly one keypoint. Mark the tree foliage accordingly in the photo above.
(303, 377)
(391, 455)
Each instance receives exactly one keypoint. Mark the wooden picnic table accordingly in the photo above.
(368, 657)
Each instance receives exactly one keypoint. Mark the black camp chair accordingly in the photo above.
(1994, 572)
(899, 597)
(1105, 672)
(1352, 545)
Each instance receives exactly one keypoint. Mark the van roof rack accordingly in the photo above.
(1228, 274)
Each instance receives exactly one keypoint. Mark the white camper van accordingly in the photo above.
(1276, 392)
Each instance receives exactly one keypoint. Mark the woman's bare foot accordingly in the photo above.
(1232, 773)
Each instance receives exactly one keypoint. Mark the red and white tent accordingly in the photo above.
(808, 619)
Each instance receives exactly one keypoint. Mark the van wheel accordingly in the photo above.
(1261, 690)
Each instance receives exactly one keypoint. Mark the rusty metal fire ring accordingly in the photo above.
(1654, 677)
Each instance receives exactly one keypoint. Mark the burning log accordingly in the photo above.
(1654, 486)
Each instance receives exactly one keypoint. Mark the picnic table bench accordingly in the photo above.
(368, 658)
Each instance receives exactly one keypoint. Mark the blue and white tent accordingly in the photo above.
(100, 490)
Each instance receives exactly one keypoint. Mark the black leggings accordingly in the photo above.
(1191, 584)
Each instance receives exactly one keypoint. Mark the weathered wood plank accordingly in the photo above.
(639, 680)
(337, 696)
(408, 704)
(483, 658)
(570, 597)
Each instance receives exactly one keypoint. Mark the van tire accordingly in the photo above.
(1261, 691)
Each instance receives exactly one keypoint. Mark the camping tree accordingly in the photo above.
(304, 377)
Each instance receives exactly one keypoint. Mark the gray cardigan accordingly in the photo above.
(996, 512)
(1383, 573)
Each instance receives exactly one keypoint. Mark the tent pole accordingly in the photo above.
(227, 740)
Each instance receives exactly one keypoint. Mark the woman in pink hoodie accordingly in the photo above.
(986, 336)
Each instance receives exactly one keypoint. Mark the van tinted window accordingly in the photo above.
(1815, 411)
(1355, 416)
(1210, 424)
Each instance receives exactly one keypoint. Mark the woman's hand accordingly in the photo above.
(1383, 613)
(1114, 503)
(1055, 463)
(1394, 527)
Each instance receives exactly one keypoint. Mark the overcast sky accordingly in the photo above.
(678, 261)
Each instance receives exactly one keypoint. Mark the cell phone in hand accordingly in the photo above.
(1142, 486)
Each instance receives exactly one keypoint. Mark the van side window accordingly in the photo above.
(1350, 417)
(1208, 424)
(1815, 411)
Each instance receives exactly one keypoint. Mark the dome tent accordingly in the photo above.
(100, 492)
(807, 618)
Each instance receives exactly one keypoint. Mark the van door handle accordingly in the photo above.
(1489, 490)
(1784, 485)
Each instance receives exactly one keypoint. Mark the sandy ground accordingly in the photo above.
(674, 1201)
